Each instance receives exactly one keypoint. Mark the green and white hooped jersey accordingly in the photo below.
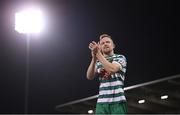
(111, 90)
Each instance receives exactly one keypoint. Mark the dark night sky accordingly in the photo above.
(145, 31)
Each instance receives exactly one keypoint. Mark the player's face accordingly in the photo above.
(106, 45)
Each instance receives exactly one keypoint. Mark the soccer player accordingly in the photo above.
(110, 69)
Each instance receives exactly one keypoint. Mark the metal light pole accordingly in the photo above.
(27, 72)
(27, 22)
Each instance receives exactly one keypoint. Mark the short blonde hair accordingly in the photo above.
(104, 35)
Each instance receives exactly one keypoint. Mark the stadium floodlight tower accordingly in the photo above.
(27, 22)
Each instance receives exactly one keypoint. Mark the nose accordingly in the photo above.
(105, 43)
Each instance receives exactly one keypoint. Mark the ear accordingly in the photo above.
(114, 45)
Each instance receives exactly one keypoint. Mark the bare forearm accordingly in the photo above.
(91, 69)
(110, 67)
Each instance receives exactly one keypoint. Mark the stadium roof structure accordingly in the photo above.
(160, 96)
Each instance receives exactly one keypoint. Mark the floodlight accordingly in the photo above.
(29, 21)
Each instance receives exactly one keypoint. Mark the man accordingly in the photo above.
(110, 68)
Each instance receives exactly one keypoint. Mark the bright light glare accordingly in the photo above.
(141, 101)
(90, 111)
(164, 97)
(29, 21)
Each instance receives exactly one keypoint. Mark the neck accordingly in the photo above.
(108, 54)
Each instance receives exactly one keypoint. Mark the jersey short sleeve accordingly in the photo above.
(120, 59)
